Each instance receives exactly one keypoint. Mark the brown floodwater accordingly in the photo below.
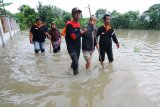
(46, 80)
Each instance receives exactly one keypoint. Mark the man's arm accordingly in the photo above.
(30, 37)
(69, 30)
(48, 35)
(97, 34)
(84, 31)
(115, 38)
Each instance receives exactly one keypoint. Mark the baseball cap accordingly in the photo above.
(75, 9)
(38, 19)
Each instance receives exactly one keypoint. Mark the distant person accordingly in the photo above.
(107, 34)
(55, 38)
(45, 27)
(73, 39)
(89, 41)
(37, 36)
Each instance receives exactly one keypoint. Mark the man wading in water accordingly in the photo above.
(107, 34)
(37, 36)
(89, 41)
(73, 39)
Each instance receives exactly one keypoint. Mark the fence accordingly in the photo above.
(8, 28)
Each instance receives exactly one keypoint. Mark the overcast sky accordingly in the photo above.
(121, 6)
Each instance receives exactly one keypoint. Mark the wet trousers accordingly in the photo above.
(75, 61)
(109, 54)
(39, 46)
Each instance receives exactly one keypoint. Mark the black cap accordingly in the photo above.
(74, 10)
(104, 17)
(38, 19)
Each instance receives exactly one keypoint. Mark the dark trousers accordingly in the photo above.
(109, 54)
(75, 60)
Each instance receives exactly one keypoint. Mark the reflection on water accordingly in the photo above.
(132, 80)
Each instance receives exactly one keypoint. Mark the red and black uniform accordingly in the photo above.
(73, 42)
(105, 42)
(72, 37)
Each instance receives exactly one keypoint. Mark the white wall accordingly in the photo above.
(4, 37)
(1, 35)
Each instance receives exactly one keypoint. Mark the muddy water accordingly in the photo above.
(46, 80)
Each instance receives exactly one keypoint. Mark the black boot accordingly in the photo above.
(75, 72)
(72, 65)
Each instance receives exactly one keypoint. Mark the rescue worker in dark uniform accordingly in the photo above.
(107, 34)
(73, 39)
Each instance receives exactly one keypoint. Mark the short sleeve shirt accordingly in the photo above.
(38, 33)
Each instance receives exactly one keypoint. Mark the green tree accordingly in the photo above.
(133, 19)
(100, 13)
(152, 17)
(2, 10)
(83, 22)
(22, 20)
(50, 13)
(114, 16)
(128, 20)
(26, 16)
(5, 4)
(66, 16)
(29, 14)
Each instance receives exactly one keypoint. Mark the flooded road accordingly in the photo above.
(132, 80)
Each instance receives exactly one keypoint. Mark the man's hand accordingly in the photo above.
(31, 42)
(117, 45)
(73, 36)
(49, 36)
(97, 46)
(84, 31)
(30, 37)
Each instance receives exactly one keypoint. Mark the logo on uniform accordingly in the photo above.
(75, 29)
(102, 33)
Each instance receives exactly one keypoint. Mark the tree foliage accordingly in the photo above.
(50, 13)
(5, 4)
(2, 9)
(150, 19)
(26, 16)
(100, 13)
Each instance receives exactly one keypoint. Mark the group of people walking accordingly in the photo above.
(73, 34)
(38, 33)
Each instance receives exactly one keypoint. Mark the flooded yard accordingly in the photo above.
(46, 80)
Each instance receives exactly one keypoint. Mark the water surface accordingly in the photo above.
(132, 80)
